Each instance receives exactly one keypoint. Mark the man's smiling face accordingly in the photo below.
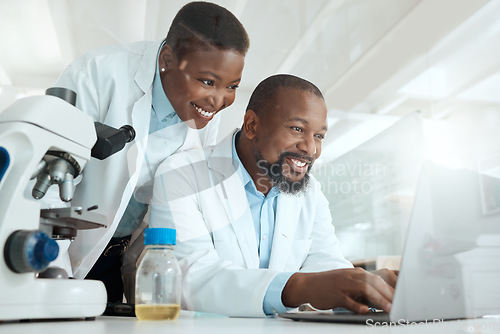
(289, 138)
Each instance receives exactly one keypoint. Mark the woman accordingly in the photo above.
(171, 93)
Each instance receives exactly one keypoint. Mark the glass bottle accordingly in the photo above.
(158, 277)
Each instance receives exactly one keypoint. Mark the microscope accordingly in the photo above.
(47, 139)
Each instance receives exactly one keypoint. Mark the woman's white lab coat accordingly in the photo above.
(113, 85)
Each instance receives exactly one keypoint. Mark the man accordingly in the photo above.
(253, 227)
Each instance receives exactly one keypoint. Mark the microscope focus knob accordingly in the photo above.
(29, 251)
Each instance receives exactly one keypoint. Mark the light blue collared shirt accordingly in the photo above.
(162, 112)
(162, 115)
(263, 210)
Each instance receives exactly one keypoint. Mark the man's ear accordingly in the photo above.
(165, 58)
(250, 124)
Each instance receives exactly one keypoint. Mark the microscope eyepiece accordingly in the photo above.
(129, 132)
(111, 140)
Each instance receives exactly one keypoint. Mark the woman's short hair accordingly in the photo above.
(203, 25)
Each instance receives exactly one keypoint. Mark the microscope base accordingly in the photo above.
(53, 299)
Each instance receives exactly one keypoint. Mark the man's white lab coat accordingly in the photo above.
(114, 85)
(200, 194)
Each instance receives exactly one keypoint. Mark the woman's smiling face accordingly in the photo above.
(202, 83)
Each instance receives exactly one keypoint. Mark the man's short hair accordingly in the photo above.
(203, 25)
(265, 93)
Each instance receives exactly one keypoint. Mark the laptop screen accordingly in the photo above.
(451, 259)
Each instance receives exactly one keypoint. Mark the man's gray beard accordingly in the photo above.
(275, 173)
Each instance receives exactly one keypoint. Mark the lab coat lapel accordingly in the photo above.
(287, 218)
(231, 192)
(141, 113)
(140, 116)
(147, 68)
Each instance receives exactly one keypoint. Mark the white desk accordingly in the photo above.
(186, 324)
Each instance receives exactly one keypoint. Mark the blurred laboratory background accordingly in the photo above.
(404, 81)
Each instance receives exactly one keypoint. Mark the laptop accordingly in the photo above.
(451, 258)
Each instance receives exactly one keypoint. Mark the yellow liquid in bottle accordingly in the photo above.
(157, 312)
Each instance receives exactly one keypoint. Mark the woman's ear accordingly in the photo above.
(165, 58)
(250, 124)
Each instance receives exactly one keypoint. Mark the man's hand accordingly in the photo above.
(353, 289)
(390, 276)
